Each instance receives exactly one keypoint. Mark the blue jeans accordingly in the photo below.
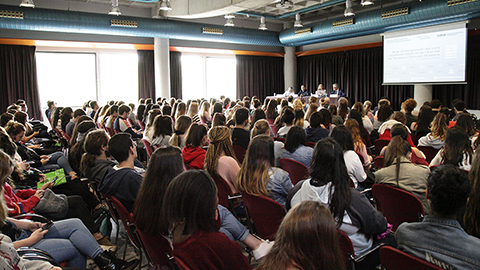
(68, 240)
(57, 161)
(230, 226)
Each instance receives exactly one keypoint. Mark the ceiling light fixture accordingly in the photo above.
(114, 10)
(229, 18)
(27, 3)
(298, 22)
(366, 2)
(348, 9)
(165, 5)
(263, 25)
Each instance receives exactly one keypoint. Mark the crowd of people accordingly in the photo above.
(172, 194)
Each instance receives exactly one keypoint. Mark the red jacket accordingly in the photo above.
(386, 136)
(194, 156)
(21, 202)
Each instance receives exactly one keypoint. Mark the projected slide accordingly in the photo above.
(433, 57)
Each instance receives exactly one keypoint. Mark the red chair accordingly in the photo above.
(353, 260)
(141, 124)
(279, 139)
(158, 249)
(239, 152)
(429, 152)
(380, 143)
(379, 162)
(296, 170)
(266, 214)
(224, 193)
(110, 131)
(394, 259)
(148, 147)
(310, 144)
(128, 223)
(397, 205)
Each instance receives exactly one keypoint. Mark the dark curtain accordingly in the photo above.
(470, 92)
(359, 74)
(176, 74)
(259, 76)
(18, 78)
(146, 74)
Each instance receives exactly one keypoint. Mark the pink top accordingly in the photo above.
(228, 169)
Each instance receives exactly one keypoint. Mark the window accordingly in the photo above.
(70, 79)
(206, 77)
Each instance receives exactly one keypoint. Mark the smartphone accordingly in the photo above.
(54, 179)
(47, 225)
(29, 162)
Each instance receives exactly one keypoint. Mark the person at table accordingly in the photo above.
(289, 92)
(303, 91)
(322, 92)
(337, 91)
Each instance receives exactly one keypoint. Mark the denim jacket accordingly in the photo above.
(278, 185)
(441, 242)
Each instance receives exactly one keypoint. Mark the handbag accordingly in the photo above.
(53, 205)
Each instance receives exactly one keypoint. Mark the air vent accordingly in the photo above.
(212, 31)
(124, 23)
(11, 14)
(303, 31)
(458, 2)
(395, 13)
(342, 22)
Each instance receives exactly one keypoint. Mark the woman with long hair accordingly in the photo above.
(422, 126)
(217, 108)
(21, 117)
(300, 119)
(162, 130)
(182, 125)
(193, 112)
(457, 150)
(436, 138)
(306, 239)
(261, 127)
(366, 122)
(219, 119)
(258, 176)
(181, 110)
(329, 184)
(148, 133)
(220, 160)
(343, 108)
(193, 154)
(295, 146)
(354, 114)
(188, 217)
(271, 111)
(401, 173)
(355, 169)
(65, 115)
(472, 211)
(205, 113)
(67, 240)
(358, 144)
(311, 109)
(465, 121)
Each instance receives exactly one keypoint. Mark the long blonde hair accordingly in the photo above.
(440, 126)
(6, 165)
(220, 141)
(253, 175)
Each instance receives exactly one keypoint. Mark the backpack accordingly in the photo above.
(103, 219)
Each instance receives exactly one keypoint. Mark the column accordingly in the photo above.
(290, 69)
(161, 48)
(422, 93)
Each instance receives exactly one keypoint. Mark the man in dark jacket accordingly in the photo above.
(315, 132)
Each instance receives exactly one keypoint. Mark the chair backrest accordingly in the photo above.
(379, 162)
(127, 221)
(157, 247)
(310, 144)
(394, 259)
(239, 152)
(429, 152)
(346, 246)
(148, 147)
(266, 214)
(397, 205)
(380, 143)
(110, 131)
(188, 167)
(223, 191)
(296, 170)
(360, 157)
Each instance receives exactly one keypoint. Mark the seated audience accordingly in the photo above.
(287, 118)
(358, 144)
(193, 112)
(258, 176)
(459, 108)
(261, 127)
(121, 124)
(436, 138)
(220, 160)
(383, 114)
(422, 126)
(466, 122)
(401, 173)
(457, 150)
(472, 213)
(188, 218)
(162, 131)
(366, 122)
(409, 105)
(439, 239)
(329, 185)
(306, 229)
(315, 132)
(240, 135)
(71, 124)
(354, 166)
(149, 128)
(396, 118)
(417, 157)
(193, 153)
(294, 147)
(124, 181)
